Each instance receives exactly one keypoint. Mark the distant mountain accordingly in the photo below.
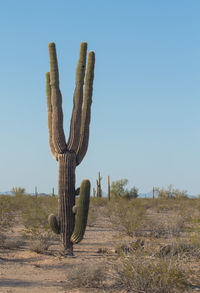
(150, 195)
(11, 194)
(141, 195)
(6, 193)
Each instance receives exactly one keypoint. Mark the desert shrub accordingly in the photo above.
(41, 244)
(7, 217)
(132, 193)
(165, 229)
(87, 276)
(11, 243)
(35, 219)
(92, 216)
(6, 212)
(17, 191)
(98, 201)
(172, 193)
(189, 249)
(140, 274)
(118, 189)
(127, 216)
(103, 250)
(132, 247)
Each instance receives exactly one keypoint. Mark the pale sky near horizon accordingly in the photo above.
(145, 123)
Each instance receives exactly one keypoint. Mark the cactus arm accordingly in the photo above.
(53, 223)
(49, 110)
(86, 109)
(58, 136)
(78, 100)
(82, 212)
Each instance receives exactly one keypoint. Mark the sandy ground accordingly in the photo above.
(22, 270)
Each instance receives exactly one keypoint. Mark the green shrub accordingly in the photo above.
(118, 189)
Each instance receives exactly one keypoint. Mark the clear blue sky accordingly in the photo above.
(145, 122)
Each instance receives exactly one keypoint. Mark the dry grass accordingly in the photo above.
(87, 276)
(134, 273)
(157, 242)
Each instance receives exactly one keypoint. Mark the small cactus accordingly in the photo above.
(53, 223)
(99, 191)
(108, 187)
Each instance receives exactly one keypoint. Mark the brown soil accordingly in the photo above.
(22, 270)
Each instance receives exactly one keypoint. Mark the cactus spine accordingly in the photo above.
(70, 154)
(99, 191)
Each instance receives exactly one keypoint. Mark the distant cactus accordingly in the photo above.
(108, 187)
(99, 191)
(70, 154)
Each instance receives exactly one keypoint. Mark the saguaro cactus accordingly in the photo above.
(99, 191)
(70, 154)
(108, 187)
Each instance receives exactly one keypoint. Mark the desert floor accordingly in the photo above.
(23, 270)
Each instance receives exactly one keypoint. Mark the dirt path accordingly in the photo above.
(22, 270)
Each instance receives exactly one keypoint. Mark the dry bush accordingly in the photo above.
(165, 229)
(11, 244)
(92, 216)
(6, 212)
(40, 245)
(127, 216)
(87, 276)
(35, 216)
(35, 220)
(142, 274)
(103, 250)
(7, 217)
(127, 248)
(98, 202)
(172, 193)
(182, 249)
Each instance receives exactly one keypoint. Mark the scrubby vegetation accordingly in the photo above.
(119, 190)
(156, 247)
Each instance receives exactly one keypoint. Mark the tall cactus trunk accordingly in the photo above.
(70, 154)
(66, 198)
